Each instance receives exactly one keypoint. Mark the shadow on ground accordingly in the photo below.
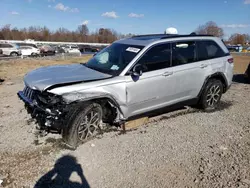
(59, 176)
(240, 78)
(183, 111)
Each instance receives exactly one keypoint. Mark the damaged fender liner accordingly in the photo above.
(81, 97)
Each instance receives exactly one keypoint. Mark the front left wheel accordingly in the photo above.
(83, 123)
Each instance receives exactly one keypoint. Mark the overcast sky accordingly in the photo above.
(128, 16)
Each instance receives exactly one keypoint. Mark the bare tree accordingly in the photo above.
(83, 30)
(247, 37)
(210, 28)
(238, 38)
(6, 32)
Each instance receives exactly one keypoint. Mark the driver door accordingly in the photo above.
(153, 88)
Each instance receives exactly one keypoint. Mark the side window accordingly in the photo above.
(209, 50)
(6, 46)
(158, 57)
(183, 52)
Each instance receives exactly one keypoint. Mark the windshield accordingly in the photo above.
(114, 58)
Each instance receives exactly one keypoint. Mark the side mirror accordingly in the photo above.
(137, 70)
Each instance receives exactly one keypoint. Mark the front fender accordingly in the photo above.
(75, 97)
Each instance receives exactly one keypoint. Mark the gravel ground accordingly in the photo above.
(183, 148)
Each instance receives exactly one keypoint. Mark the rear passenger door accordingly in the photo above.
(25, 50)
(189, 71)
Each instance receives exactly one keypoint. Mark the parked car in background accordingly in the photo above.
(72, 49)
(59, 50)
(235, 48)
(247, 73)
(29, 51)
(26, 44)
(10, 49)
(88, 49)
(47, 50)
(1, 51)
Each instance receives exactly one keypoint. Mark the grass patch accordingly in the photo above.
(14, 69)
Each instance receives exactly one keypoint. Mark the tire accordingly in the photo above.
(13, 54)
(211, 95)
(78, 127)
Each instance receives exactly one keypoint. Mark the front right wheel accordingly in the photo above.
(211, 95)
(13, 54)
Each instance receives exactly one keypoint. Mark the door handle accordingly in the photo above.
(167, 73)
(203, 66)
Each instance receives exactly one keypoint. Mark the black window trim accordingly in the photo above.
(196, 51)
(169, 42)
(3, 45)
(225, 54)
(171, 48)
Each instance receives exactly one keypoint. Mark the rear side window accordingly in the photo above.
(158, 57)
(209, 50)
(183, 52)
(6, 46)
(25, 47)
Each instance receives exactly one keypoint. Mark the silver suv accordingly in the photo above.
(130, 77)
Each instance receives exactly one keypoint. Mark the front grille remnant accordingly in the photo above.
(28, 92)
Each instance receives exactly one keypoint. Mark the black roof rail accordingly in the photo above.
(148, 35)
(165, 36)
(180, 36)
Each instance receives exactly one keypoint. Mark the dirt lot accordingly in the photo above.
(183, 148)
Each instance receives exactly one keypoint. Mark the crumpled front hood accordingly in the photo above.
(45, 77)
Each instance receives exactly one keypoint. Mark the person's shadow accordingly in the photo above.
(60, 174)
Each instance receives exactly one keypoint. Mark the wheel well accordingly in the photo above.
(221, 78)
(110, 110)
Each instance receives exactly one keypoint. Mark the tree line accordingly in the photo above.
(211, 28)
(81, 34)
(102, 35)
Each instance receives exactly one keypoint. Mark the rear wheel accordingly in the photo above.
(13, 54)
(211, 95)
(83, 124)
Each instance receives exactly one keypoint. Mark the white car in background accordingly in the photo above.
(10, 49)
(72, 49)
(29, 51)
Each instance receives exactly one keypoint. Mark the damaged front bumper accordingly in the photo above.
(33, 104)
(46, 118)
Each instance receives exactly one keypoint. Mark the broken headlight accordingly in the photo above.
(49, 98)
